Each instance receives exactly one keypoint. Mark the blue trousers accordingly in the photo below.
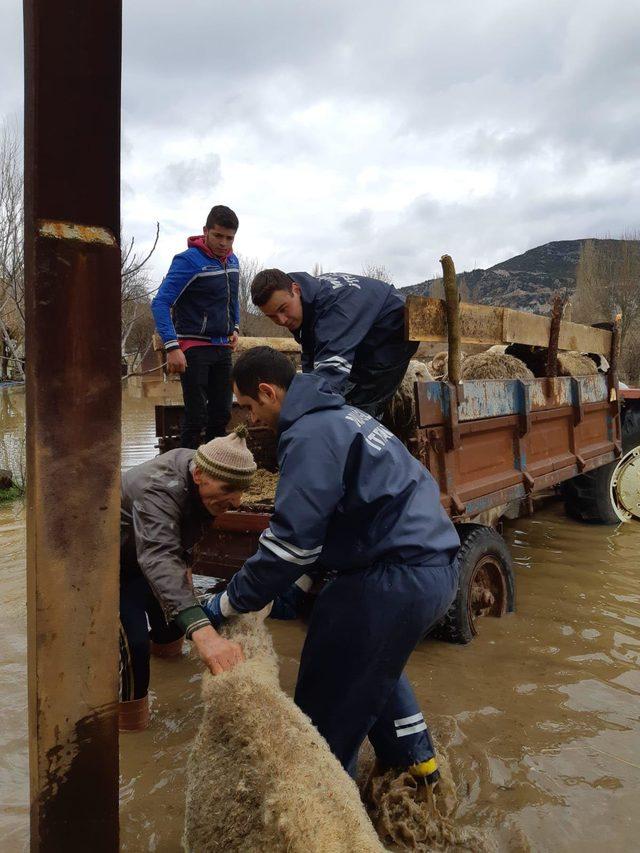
(363, 628)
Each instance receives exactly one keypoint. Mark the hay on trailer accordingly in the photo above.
(262, 490)
(400, 415)
(494, 365)
(260, 777)
(576, 364)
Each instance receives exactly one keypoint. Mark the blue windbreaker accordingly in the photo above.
(198, 299)
(351, 324)
(350, 495)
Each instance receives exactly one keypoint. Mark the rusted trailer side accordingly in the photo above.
(486, 443)
(491, 442)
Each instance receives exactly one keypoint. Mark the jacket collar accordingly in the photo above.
(307, 393)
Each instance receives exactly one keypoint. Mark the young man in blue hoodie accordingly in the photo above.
(197, 314)
(350, 328)
(351, 500)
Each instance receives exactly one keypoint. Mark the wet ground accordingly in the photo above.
(540, 715)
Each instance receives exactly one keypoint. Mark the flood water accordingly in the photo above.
(539, 715)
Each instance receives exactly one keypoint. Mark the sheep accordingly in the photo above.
(400, 413)
(569, 363)
(260, 777)
(494, 365)
(576, 364)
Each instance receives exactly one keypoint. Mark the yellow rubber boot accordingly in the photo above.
(427, 771)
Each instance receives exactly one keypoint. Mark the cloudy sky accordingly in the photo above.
(360, 132)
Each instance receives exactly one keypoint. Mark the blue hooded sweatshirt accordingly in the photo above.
(198, 298)
(351, 325)
(350, 495)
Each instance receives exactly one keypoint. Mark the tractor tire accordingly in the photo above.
(486, 583)
(610, 494)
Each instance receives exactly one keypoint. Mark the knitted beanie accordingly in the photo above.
(228, 458)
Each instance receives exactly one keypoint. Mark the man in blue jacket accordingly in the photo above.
(351, 500)
(197, 314)
(350, 327)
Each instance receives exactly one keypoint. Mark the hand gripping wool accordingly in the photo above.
(260, 777)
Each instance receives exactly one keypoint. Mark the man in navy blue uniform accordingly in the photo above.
(350, 327)
(197, 314)
(351, 500)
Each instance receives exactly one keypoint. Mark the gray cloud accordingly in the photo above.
(363, 132)
(204, 173)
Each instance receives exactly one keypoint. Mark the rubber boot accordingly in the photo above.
(133, 716)
(167, 650)
(426, 771)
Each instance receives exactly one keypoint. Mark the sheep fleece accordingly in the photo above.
(260, 777)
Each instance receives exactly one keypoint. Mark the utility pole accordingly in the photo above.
(72, 269)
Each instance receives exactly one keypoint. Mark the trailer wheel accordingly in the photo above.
(486, 585)
(610, 494)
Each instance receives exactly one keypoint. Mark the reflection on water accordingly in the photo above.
(539, 713)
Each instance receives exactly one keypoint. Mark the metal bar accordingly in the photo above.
(72, 270)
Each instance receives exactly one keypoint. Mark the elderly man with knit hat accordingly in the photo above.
(166, 502)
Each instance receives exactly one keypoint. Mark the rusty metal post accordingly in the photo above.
(72, 269)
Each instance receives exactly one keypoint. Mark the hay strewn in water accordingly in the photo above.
(260, 777)
(494, 365)
(263, 488)
(576, 364)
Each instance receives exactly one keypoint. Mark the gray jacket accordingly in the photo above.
(161, 519)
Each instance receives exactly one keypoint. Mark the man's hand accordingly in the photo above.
(233, 341)
(218, 654)
(176, 361)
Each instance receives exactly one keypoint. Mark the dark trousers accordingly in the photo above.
(371, 388)
(137, 602)
(363, 628)
(207, 394)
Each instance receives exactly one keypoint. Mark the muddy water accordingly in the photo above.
(539, 715)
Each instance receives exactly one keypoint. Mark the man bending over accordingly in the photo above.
(351, 499)
(351, 329)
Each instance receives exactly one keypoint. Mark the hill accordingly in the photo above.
(527, 282)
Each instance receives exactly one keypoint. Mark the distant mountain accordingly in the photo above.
(528, 281)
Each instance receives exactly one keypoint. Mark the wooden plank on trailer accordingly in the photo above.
(425, 320)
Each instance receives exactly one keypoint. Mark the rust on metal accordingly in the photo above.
(72, 272)
(554, 335)
(73, 231)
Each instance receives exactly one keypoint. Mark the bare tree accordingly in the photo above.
(608, 283)
(317, 269)
(137, 323)
(249, 268)
(11, 252)
(377, 271)
(137, 320)
(253, 323)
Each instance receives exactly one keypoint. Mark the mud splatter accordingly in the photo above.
(411, 816)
